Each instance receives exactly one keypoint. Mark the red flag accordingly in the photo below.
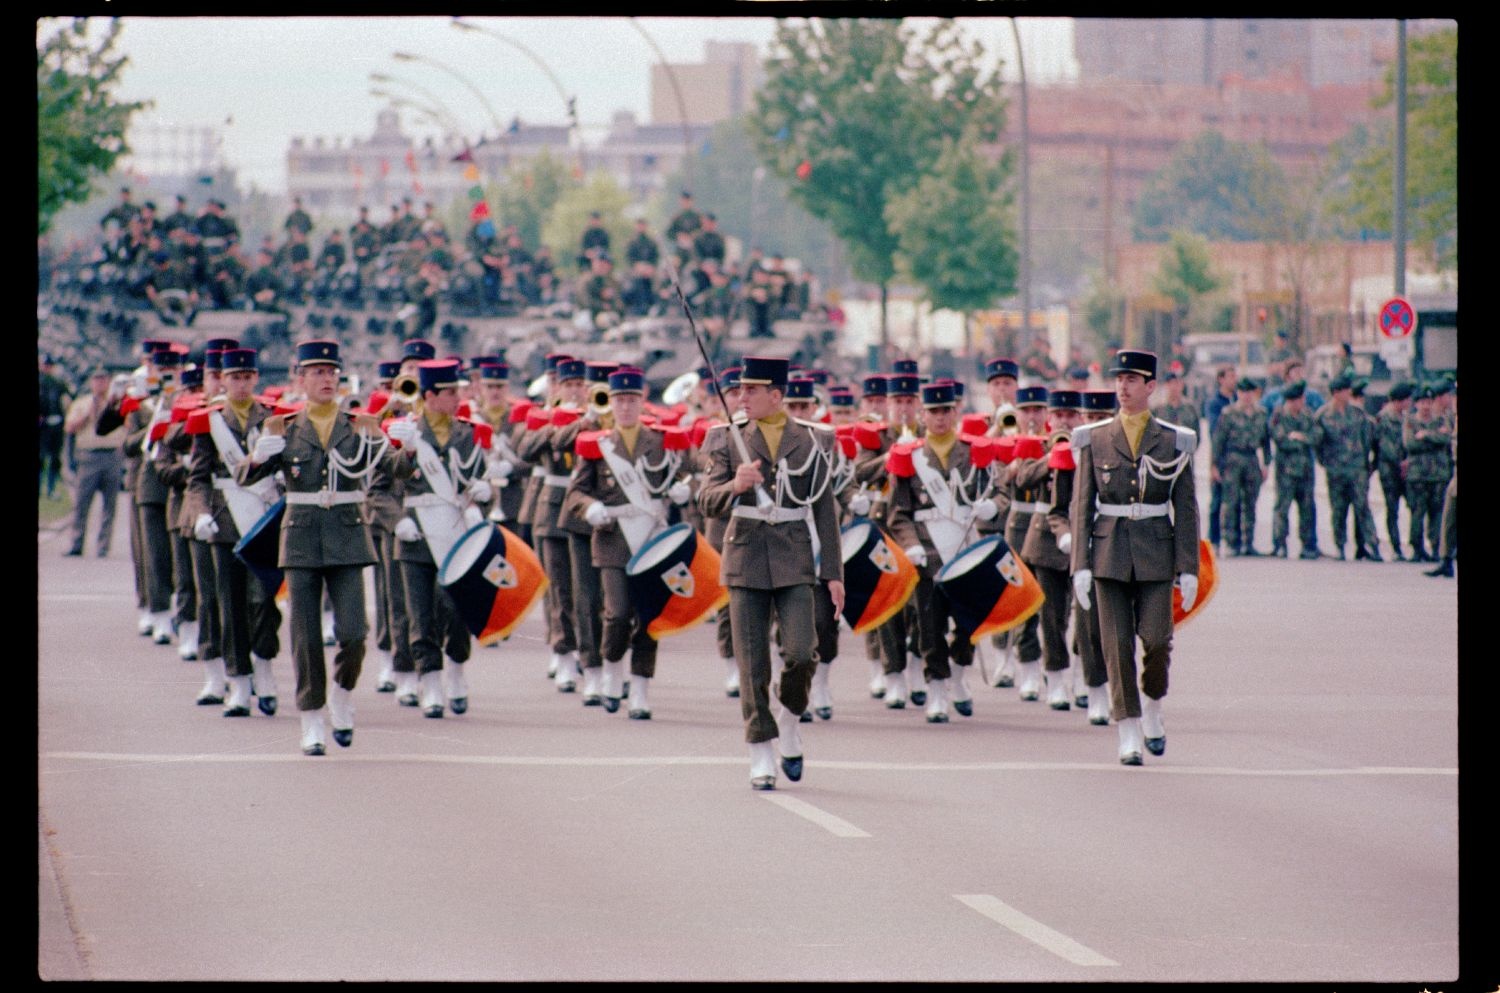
(411, 160)
(804, 169)
(385, 167)
(480, 211)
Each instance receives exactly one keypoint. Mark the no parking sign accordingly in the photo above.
(1397, 318)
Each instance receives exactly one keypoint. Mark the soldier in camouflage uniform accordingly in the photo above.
(1428, 439)
(1292, 435)
(1240, 439)
(1390, 453)
(1176, 408)
(1344, 444)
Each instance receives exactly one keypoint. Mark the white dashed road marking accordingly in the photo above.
(1035, 931)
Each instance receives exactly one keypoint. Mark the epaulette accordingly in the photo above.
(1186, 438)
(1080, 436)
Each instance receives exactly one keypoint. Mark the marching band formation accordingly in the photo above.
(769, 502)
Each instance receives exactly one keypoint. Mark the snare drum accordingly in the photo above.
(494, 579)
(260, 548)
(989, 588)
(878, 577)
(674, 581)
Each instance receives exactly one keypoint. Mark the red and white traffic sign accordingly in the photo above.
(1397, 319)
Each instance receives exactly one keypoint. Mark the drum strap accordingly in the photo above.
(232, 455)
(649, 515)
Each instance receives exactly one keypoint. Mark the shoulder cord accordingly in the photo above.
(1167, 471)
(465, 468)
(670, 461)
(843, 471)
(816, 459)
(364, 456)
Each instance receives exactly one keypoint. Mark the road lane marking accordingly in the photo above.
(638, 760)
(1035, 931)
(834, 825)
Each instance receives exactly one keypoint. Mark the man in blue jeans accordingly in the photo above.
(1222, 398)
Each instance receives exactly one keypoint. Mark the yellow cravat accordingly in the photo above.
(242, 410)
(1135, 427)
(441, 424)
(943, 445)
(771, 429)
(630, 436)
(496, 415)
(323, 416)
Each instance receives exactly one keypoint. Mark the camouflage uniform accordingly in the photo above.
(1344, 443)
(1238, 437)
(1184, 414)
(1428, 468)
(1294, 481)
(1390, 452)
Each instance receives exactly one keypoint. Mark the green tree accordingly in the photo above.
(854, 112)
(528, 194)
(955, 231)
(1223, 190)
(751, 203)
(80, 126)
(1186, 274)
(563, 229)
(1431, 152)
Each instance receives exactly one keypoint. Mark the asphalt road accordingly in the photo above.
(1302, 826)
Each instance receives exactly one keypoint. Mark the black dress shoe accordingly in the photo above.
(209, 700)
(433, 711)
(408, 700)
(640, 715)
(1100, 721)
(1061, 705)
(611, 704)
(965, 708)
(1005, 682)
(459, 704)
(918, 697)
(733, 694)
(267, 705)
(806, 717)
(237, 712)
(792, 767)
(385, 686)
(73, 553)
(1157, 746)
(1310, 554)
(1396, 554)
(1444, 569)
(190, 657)
(1360, 554)
(824, 713)
(937, 718)
(763, 782)
(1249, 552)
(313, 750)
(594, 700)
(1339, 555)
(344, 736)
(1373, 555)
(877, 694)
(1134, 758)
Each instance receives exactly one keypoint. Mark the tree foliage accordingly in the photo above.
(1220, 189)
(530, 191)
(955, 230)
(1368, 177)
(80, 126)
(854, 112)
(1186, 274)
(563, 228)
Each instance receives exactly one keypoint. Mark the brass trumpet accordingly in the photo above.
(406, 389)
(1008, 419)
(599, 400)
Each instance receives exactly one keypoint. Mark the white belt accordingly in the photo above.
(931, 514)
(1134, 511)
(552, 480)
(1022, 507)
(424, 500)
(773, 515)
(537, 472)
(325, 498)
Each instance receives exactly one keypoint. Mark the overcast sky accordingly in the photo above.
(275, 78)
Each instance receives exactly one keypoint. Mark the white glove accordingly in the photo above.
(918, 556)
(597, 515)
(859, 504)
(481, 491)
(407, 530)
(1065, 542)
(473, 517)
(502, 469)
(204, 528)
(266, 446)
(404, 431)
(1188, 583)
(680, 493)
(1083, 582)
(986, 510)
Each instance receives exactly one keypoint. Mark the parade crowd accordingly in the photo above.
(184, 262)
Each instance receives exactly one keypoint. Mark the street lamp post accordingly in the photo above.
(687, 134)
(570, 103)
(452, 121)
(494, 117)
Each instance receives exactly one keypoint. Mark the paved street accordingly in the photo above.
(1301, 826)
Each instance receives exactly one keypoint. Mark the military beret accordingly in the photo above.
(1246, 383)
(1294, 391)
(1401, 391)
(1360, 385)
(1340, 382)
